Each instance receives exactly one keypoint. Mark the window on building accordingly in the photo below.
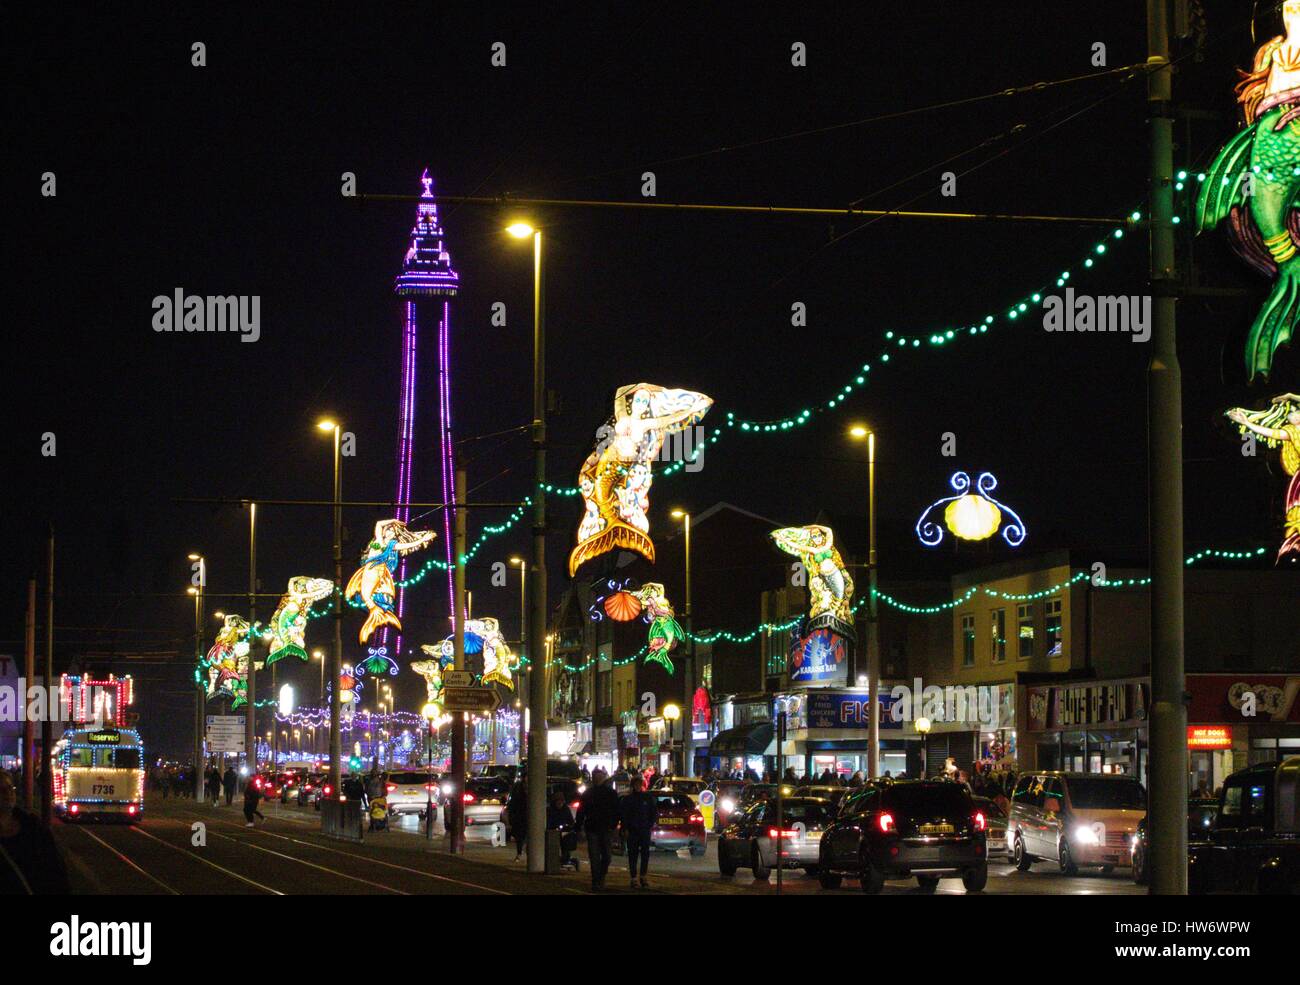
(998, 624)
(1052, 627)
(1025, 629)
(968, 640)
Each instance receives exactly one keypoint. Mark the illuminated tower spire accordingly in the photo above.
(426, 283)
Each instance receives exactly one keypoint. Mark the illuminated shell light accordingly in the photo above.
(971, 515)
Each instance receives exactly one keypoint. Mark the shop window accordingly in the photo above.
(968, 640)
(1025, 630)
(998, 625)
(1052, 627)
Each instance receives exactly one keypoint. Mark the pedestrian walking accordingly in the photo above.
(517, 817)
(597, 817)
(638, 812)
(252, 796)
(229, 782)
(214, 786)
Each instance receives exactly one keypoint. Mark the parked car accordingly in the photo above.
(321, 791)
(1200, 818)
(923, 828)
(409, 792)
(1254, 842)
(752, 836)
(305, 790)
(290, 781)
(997, 826)
(680, 825)
(681, 784)
(1074, 819)
(484, 797)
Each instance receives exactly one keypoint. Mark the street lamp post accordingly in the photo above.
(688, 736)
(537, 568)
(522, 565)
(336, 656)
(922, 726)
(199, 692)
(859, 432)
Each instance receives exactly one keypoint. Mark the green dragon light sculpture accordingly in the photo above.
(1253, 184)
(830, 586)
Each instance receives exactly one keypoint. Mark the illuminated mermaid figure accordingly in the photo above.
(1279, 424)
(289, 622)
(615, 479)
(372, 583)
(228, 662)
(1254, 182)
(665, 631)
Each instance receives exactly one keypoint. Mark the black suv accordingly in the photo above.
(923, 828)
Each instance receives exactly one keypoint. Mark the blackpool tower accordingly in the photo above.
(427, 284)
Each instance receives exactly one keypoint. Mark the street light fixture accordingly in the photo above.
(922, 726)
(537, 786)
(858, 432)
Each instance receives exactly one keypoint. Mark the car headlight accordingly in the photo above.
(726, 805)
(1085, 836)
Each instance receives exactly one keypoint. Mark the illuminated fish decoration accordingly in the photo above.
(289, 621)
(372, 583)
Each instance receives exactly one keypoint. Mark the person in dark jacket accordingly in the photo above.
(517, 816)
(252, 796)
(228, 782)
(638, 812)
(30, 862)
(560, 818)
(597, 817)
(214, 786)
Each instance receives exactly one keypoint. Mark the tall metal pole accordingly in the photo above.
(688, 735)
(29, 727)
(1167, 822)
(47, 725)
(537, 570)
(199, 779)
(250, 720)
(336, 654)
(873, 619)
(459, 764)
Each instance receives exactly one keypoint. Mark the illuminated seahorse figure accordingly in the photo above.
(830, 586)
(615, 479)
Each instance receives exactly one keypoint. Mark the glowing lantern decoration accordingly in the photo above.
(1279, 425)
(1254, 184)
(372, 583)
(622, 606)
(971, 515)
(615, 479)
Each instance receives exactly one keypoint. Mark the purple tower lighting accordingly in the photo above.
(427, 282)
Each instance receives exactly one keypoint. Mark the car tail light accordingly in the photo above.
(431, 787)
(778, 833)
(980, 823)
(886, 822)
(131, 809)
(697, 818)
(392, 787)
(576, 804)
(327, 790)
(74, 809)
(468, 798)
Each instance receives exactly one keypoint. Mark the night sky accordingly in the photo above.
(225, 179)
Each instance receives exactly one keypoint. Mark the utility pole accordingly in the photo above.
(47, 725)
(873, 620)
(537, 590)
(250, 721)
(688, 733)
(199, 779)
(459, 765)
(29, 727)
(336, 654)
(1167, 819)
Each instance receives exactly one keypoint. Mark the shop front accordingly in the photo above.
(1087, 727)
(827, 729)
(740, 749)
(1238, 720)
(972, 724)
